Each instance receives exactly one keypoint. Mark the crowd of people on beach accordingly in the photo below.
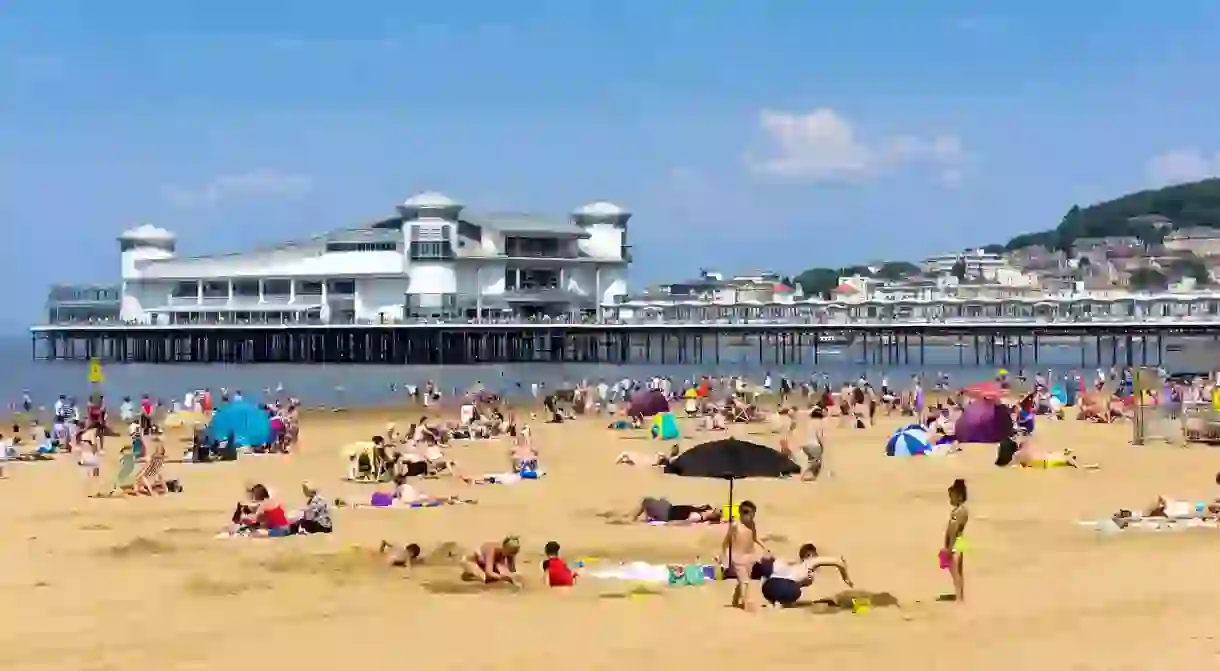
(795, 411)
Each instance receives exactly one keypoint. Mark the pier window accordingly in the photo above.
(537, 247)
(361, 246)
(432, 306)
(530, 279)
(216, 289)
(342, 287)
(185, 289)
(431, 242)
(245, 288)
(309, 288)
(277, 287)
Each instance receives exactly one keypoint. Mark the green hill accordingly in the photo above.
(1184, 205)
(1148, 215)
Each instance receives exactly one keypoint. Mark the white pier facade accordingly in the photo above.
(433, 260)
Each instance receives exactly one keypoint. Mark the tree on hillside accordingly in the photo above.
(959, 270)
(1193, 268)
(1148, 279)
(818, 281)
(1184, 205)
(993, 249)
(897, 270)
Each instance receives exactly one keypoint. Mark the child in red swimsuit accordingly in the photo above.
(556, 569)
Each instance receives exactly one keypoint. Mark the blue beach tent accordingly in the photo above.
(249, 424)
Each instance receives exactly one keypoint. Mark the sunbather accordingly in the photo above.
(1170, 508)
(658, 459)
(1020, 451)
(653, 509)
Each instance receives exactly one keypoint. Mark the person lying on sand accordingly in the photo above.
(407, 495)
(1026, 455)
(653, 509)
(1166, 507)
(658, 459)
(493, 562)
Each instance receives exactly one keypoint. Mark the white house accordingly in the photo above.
(433, 259)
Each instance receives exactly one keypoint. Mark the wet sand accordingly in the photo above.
(139, 584)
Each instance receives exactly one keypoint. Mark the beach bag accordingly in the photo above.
(381, 500)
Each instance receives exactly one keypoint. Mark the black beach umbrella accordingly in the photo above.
(732, 459)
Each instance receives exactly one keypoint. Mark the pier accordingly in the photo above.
(999, 343)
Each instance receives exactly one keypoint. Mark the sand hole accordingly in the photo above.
(458, 587)
(141, 546)
(635, 592)
(203, 585)
(842, 602)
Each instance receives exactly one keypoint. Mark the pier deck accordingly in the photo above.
(991, 342)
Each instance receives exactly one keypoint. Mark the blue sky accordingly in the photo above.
(744, 135)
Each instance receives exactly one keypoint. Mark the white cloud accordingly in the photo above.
(1187, 164)
(254, 184)
(823, 146)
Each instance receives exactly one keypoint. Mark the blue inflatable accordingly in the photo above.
(247, 423)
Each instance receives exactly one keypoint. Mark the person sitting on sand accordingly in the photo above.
(315, 516)
(658, 459)
(261, 515)
(652, 509)
(555, 570)
(783, 583)
(493, 562)
(523, 456)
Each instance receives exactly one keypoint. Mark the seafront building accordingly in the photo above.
(433, 259)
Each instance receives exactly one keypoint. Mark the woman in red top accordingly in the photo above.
(263, 514)
(96, 416)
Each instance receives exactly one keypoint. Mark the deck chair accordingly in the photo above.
(368, 464)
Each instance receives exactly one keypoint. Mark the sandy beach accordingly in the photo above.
(142, 583)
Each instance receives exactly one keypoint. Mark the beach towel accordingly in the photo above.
(663, 523)
(633, 571)
(508, 478)
(1109, 526)
(398, 505)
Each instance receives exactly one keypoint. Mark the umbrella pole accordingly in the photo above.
(730, 558)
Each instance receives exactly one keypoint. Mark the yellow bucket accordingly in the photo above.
(730, 511)
(861, 605)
